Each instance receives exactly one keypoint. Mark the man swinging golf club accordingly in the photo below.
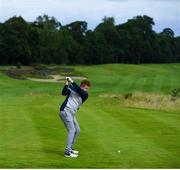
(76, 95)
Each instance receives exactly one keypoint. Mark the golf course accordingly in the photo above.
(130, 120)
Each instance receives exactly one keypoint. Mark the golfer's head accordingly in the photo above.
(85, 84)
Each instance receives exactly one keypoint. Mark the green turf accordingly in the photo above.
(32, 135)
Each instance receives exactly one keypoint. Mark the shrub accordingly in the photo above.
(18, 66)
(175, 93)
(128, 95)
(40, 67)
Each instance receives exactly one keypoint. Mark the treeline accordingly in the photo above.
(47, 41)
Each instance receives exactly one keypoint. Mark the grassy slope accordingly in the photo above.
(33, 137)
(126, 78)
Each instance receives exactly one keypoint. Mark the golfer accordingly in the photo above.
(76, 95)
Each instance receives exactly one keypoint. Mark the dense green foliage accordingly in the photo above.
(33, 136)
(47, 41)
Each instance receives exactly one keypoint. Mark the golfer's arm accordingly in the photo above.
(65, 91)
(81, 92)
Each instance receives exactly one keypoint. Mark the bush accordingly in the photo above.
(128, 95)
(175, 93)
(40, 67)
(18, 66)
(15, 73)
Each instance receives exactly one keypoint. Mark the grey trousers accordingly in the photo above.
(72, 126)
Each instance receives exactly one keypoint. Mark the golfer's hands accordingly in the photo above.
(69, 80)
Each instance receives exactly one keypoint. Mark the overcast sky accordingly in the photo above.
(166, 13)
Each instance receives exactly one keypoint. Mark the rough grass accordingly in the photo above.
(32, 135)
(147, 101)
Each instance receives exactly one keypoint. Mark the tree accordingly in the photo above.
(78, 30)
(14, 45)
(47, 41)
(168, 45)
(96, 48)
(139, 34)
(108, 30)
(177, 48)
(47, 29)
(168, 32)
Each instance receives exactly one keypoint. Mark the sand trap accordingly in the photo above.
(56, 78)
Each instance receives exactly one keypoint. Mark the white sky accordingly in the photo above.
(166, 13)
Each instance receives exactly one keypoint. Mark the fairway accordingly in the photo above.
(33, 136)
